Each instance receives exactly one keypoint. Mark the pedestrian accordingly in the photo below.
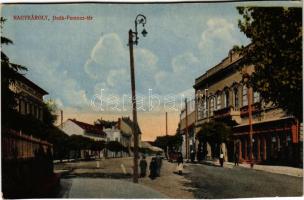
(192, 156)
(153, 168)
(236, 158)
(180, 162)
(143, 166)
(159, 164)
(222, 158)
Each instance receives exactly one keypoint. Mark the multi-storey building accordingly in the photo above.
(222, 95)
(29, 97)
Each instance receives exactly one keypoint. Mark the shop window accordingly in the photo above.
(244, 95)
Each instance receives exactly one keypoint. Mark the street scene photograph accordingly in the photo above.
(152, 100)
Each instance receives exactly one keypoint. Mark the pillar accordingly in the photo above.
(240, 150)
(245, 149)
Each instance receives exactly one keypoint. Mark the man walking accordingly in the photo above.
(222, 158)
(236, 158)
(159, 164)
(143, 166)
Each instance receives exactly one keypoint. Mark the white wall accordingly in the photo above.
(71, 128)
(113, 134)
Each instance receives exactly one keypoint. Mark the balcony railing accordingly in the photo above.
(226, 112)
(256, 107)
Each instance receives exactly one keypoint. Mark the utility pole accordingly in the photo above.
(187, 133)
(166, 124)
(140, 19)
(249, 96)
(61, 116)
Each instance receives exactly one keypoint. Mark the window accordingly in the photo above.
(218, 102)
(256, 97)
(236, 98)
(205, 107)
(245, 99)
(226, 99)
(211, 106)
(200, 108)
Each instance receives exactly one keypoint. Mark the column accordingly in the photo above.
(264, 149)
(245, 149)
(240, 150)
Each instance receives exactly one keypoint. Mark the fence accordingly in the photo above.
(16, 145)
(27, 166)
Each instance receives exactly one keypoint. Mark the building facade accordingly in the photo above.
(222, 95)
(126, 126)
(29, 97)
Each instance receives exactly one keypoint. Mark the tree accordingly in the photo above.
(9, 73)
(173, 142)
(115, 146)
(215, 133)
(104, 123)
(276, 53)
(49, 112)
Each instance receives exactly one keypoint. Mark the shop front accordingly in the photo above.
(273, 142)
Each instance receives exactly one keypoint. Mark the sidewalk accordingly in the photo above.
(106, 188)
(291, 171)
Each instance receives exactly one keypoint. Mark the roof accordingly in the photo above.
(128, 121)
(30, 83)
(89, 128)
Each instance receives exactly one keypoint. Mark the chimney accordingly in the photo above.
(119, 123)
(230, 55)
(61, 114)
(166, 123)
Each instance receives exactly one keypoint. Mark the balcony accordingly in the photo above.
(228, 112)
(256, 107)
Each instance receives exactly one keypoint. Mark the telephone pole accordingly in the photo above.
(133, 39)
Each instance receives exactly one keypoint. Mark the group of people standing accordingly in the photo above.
(154, 167)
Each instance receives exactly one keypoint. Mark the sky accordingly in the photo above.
(84, 65)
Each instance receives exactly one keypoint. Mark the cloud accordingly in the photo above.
(109, 65)
(218, 38)
(61, 86)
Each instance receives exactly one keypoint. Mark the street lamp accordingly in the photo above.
(133, 39)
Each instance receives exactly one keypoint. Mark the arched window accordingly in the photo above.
(244, 95)
(218, 102)
(211, 106)
(226, 98)
(236, 98)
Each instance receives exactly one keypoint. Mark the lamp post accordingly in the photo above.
(133, 39)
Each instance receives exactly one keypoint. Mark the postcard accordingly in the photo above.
(152, 99)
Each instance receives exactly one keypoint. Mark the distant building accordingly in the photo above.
(74, 127)
(188, 120)
(127, 127)
(29, 97)
(222, 95)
